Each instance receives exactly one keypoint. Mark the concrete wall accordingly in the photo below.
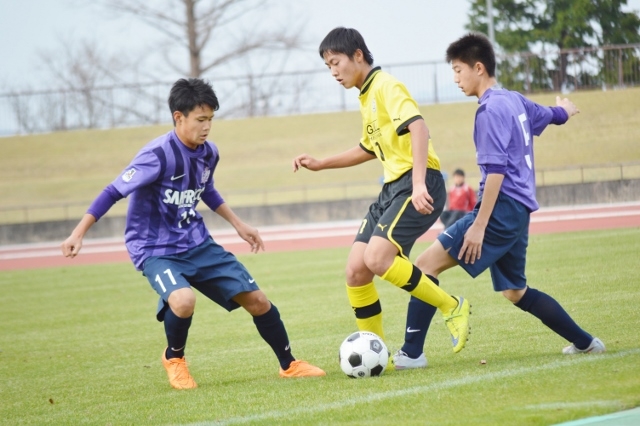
(558, 195)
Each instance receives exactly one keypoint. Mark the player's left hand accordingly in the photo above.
(568, 106)
(472, 245)
(421, 200)
(250, 235)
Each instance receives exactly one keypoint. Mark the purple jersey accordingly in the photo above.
(503, 134)
(166, 180)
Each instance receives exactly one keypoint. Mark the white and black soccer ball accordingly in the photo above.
(363, 354)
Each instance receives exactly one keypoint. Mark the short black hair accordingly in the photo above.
(346, 41)
(458, 172)
(472, 48)
(188, 94)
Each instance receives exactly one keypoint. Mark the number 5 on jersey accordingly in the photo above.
(526, 136)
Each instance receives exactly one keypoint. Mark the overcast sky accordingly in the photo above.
(395, 30)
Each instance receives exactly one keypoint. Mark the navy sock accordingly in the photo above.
(176, 329)
(549, 311)
(272, 330)
(419, 316)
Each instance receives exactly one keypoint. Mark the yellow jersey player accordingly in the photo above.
(411, 200)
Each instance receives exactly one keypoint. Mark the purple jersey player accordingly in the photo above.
(495, 234)
(168, 241)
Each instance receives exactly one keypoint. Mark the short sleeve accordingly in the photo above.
(540, 116)
(365, 142)
(492, 137)
(402, 108)
(143, 169)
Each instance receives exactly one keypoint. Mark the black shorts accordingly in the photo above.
(394, 217)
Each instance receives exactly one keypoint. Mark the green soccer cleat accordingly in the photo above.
(457, 322)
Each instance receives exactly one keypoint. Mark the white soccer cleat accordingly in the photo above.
(595, 347)
(401, 361)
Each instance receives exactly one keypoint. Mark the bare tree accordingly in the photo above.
(79, 68)
(87, 89)
(209, 30)
(91, 88)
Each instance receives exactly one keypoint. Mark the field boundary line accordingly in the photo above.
(295, 232)
(447, 384)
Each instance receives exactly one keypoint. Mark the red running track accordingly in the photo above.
(313, 236)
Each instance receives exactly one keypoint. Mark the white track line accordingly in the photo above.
(445, 384)
(306, 231)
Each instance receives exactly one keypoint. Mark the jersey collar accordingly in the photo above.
(488, 92)
(369, 80)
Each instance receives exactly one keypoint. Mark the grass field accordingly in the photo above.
(81, 346)
(73, 167)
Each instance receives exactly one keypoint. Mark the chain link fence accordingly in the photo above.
(308, 92)
(312, 92)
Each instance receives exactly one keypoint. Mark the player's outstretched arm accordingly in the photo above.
(72, 245)
(351, 157)
(244, 230)
(568, 106)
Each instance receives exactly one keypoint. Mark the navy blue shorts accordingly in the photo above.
(208, 268)
(504, 248)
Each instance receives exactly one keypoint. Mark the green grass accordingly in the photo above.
(81, 346)
(72, 167)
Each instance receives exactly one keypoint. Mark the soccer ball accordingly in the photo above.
(363, 354)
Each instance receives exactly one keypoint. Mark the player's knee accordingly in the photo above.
(182, 302)
(434, 260)
(255, 302)
(513, 296)
(358, 275)
(377, 262)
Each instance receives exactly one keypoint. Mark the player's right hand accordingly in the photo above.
(306, 161)
(71, 246)
(422, 201)
(471, 249)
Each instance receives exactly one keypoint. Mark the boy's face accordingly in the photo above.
(458, 180)
(347, 71)
(193, 129)
(467, 78)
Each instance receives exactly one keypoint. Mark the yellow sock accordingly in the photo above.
(366, 305)
(404, 274)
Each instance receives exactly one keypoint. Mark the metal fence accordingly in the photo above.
(327, 192)
(309, 91)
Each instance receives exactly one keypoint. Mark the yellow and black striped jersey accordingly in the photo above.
(387, 110)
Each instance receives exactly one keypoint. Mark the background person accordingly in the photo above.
(461, 200)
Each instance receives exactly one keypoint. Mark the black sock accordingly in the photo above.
(419, 316)
(549, 311)
(176, 329)
(272, 330)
